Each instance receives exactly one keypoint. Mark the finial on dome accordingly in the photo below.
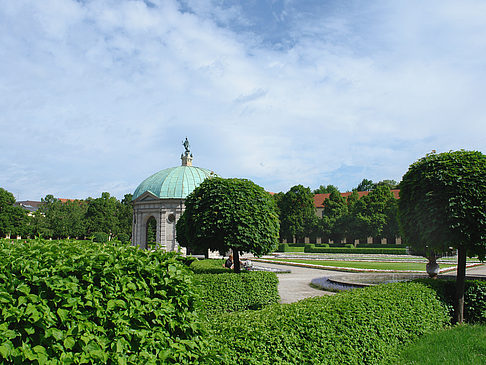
(187, 156)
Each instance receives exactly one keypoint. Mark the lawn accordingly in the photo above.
(409, 266)
(461, 345)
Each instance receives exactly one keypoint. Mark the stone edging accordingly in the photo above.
(350, 269)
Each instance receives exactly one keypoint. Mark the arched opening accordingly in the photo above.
(151, 233)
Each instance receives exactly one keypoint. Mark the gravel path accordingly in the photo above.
(295, 286)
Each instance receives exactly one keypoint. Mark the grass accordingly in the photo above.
(410, 266)
(461, 345)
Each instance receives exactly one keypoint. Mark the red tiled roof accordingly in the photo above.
(319, 198)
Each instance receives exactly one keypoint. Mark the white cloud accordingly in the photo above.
(97, 95)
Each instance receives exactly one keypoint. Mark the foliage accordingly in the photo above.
(374, 213)
(83, 302)
(123, 238)
(237, 214)
(357, 327)
(297, 212)
(365, 185)
(100, 237)
(335, 208)
(209, 266)
(326, 189)
(442, 200)
(13, 220)
(474, 297)
(442, 205)
(229, 292)
(386, 250)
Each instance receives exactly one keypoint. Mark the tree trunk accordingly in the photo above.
(236, 260)
(461, 276)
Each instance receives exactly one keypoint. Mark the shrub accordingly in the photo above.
(311, 248)
(100, 237)
(84, 302)
(474, 297)
(290, 247)
(228, 292)
(122, 237)
(357, 327)
(209, 266)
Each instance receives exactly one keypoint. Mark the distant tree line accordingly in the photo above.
(64, 219)
(350, 218)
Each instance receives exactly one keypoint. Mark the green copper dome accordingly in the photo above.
(173, 183)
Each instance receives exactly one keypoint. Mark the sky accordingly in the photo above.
(97, 95)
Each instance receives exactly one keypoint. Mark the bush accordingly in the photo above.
(357, 327)
(474, 297)
(100, 237)
(82, 302)
(122, 237)
(209, 266)
(228, 292)
(290, 247)
(312, 248)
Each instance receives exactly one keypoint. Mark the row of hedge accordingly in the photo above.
(348, 248)
(221, 290)
(357, 327)
(85, 302)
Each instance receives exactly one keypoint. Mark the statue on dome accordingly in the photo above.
(186, 146)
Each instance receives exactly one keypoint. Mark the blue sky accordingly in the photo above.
(98, 95)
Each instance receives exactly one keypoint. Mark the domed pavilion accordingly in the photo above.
(161, 197)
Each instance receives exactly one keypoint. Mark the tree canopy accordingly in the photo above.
(297, 212)
(442, 204)
(13, 220)
(223, 214)
(326, 189)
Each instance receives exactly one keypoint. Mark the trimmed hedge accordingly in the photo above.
(84, 302)
(312, 248)
(208, 266)
(474, 297)
(228, 292)
(357, 327)
(286, 247)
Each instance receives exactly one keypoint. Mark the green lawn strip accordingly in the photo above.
(408, 266)
(464, 345)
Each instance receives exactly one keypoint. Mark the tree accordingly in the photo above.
(125, 215)
(365, 185)
(392, 184)
(442, 204)
(297, 212)
(334, 209)
(326, 189)
(371, 213)
(223, 214)
(12, 219)
(102, 214)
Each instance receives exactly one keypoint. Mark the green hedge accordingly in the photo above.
(228, 292)
(208, 266)
(85, 302)
(357, 327)
(312, 248)
(474, 297)
(286, 247)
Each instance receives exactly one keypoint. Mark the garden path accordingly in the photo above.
(295, 286)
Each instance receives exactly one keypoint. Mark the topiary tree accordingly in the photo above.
(443, 204)
(223, 214)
